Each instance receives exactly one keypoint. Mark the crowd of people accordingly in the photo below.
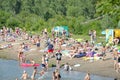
(57, 47)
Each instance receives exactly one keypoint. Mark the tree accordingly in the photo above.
(12, 6)
(84, 8)
(4, 16)
(111, 8)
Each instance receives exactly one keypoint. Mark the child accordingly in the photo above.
(67, 67)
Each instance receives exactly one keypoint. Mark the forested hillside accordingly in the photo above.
(79, 15)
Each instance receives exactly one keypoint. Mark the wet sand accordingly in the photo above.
(101, 68)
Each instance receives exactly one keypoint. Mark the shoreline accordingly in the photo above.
(78, 70)
(99, 67)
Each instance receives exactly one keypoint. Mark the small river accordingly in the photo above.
(10, 70)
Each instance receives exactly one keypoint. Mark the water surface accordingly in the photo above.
(10, 70)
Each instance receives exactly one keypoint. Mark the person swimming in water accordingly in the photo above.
(67, 67)
(24, 76)
(34, 73)
(53, 76)
(87, 77)
(57, 75)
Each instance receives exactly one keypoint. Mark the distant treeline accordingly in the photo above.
(79, 15)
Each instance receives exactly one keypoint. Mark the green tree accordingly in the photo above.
(4, 16)
(84, 8)
(12, 6)
(110, 8)
(27, 5)
(12, 22)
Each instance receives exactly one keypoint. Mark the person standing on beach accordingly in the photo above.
(53, 34)
(50, 50)
(44, 63)
(103, 52)
(91, 35)
(118, 64)
(94, 36)
(58, 58)
(60, 43)
(64, 34)
(38, 42)
(21, 57)
(46, 60)
(45, 33)
(115, 56)
(87, 77)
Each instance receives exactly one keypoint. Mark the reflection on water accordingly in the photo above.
(10, 70)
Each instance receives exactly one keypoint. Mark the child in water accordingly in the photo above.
(87, 77)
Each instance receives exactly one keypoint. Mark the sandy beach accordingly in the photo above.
(99, 67)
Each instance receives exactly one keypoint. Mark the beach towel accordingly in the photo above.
(65, 52)
(80, 55)
(79, 40)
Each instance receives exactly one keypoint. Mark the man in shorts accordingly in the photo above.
(50, 50)
(58, 58)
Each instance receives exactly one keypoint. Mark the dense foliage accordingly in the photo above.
(79, 15)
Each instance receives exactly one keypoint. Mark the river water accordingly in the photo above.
(10, 70)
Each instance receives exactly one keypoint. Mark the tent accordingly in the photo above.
(60, 29)
(111, 34)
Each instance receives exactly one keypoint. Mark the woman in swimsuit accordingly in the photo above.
(21, 57)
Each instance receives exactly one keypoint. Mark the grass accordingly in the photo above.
(86, 37)
(100, 38)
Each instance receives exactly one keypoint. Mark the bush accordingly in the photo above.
(13, 22)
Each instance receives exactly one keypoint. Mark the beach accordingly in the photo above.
(65, 39)
(98, 67)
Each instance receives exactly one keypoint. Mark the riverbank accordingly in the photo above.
(100, 67)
